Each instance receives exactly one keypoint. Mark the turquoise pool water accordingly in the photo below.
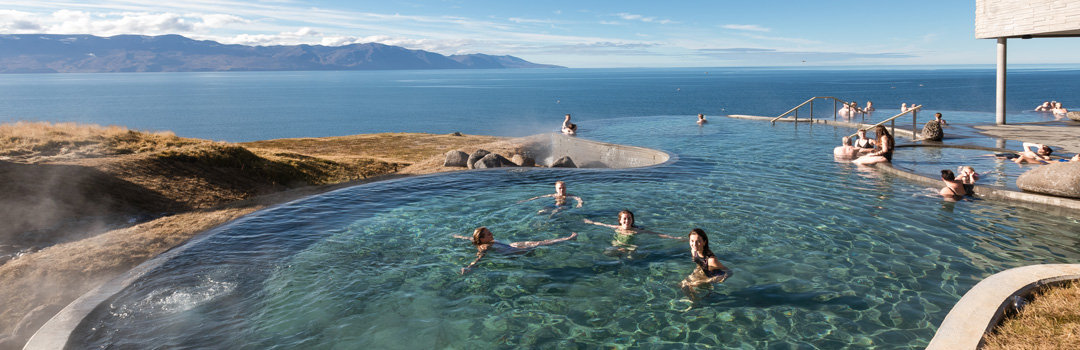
(825, 255)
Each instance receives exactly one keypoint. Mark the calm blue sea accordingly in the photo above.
(248, 106)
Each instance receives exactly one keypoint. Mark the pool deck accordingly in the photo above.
(983, 307)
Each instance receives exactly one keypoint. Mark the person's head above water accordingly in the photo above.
(626, 219)
(861, 133)
(567, 117)
(846, 141)
(948, 175)
(700, 116)
(560, 188)
(937, 115)
(1045, 150)
(481, 235)
(699, 241)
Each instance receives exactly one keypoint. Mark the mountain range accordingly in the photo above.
(47, 53)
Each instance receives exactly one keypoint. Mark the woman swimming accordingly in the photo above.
(484, 240)
(709, 269)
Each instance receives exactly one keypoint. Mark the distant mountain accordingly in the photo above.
(42, 53)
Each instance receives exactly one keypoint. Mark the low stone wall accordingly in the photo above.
(983, 307)
(590, 154)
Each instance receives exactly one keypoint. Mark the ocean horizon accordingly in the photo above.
(249, 106)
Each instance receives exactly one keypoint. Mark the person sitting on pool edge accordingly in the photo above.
(953, 189)
(709, 269)
(1041, 154)
(484, 240)
(884, 150)
(560, 196)
(701, 119)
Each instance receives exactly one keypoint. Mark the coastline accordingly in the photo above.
(64, 261)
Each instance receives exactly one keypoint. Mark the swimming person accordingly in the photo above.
(869, 107)
(884, 150)
(1040, 155)
(625, 232)
(560, 196)
(484, 240)
(709, 269)
(937, 118)
(701, 119)
(863, 141)
(967, 176)
(1044, 107)
(953, 189)
(1059, 110)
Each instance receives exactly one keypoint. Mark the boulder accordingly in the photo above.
(475, 156)
(493, 160)
(456, 158)
(1073, 115)
(564, 162)
(1057, 178)
(456, 134)
(524, 161)
(932, 131)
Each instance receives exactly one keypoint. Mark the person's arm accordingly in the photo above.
(481, 251)
(587, 221)
(534, 244)
(580, 202)
(462, 237)
(537, 197)
(713, 261)
(1029, 145)
(661, 234)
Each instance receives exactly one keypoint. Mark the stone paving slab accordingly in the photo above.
(1062, 135)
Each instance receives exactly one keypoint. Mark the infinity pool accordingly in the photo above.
(825, 256)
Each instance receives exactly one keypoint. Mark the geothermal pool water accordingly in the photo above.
(825, 255)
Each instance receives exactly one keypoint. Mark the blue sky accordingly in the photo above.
(578, 34)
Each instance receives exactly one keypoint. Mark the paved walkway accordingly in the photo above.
(1062, 135)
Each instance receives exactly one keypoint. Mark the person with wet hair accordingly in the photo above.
(484, 241)
(701, 119)
(1040, 154)
(560, 196)
(846, 150)
(709, 269)
(626, 225)
(967, 176)
(953, 189)
(863, 141)
(568, 127)
(882, 152)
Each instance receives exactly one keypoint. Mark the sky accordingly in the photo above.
(576, 34)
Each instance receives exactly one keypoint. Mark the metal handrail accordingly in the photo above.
(912, 110)
(811, 102)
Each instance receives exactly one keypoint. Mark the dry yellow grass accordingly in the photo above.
(1050, 321)
(37, 141)
(207, 183)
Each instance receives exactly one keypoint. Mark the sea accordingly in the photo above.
(250, 106)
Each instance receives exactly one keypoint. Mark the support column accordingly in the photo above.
(1001, 49)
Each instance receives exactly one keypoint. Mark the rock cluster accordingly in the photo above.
(483, 159)
(932, 131)
(1057, 178)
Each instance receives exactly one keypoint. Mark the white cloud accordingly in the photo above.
(12, 21)
(633, 17)
(750, 27)
(525, 20)
(800, 41)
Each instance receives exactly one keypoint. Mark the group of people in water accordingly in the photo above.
(708, 267)
(1054, 107)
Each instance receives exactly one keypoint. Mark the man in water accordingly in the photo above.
(560, 196)
(701, 119)
(847, 151)
(568, 127)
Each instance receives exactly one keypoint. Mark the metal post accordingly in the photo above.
(914, 126)
(834, 109)
(796, 116)
(893, 129)
(1001, 50)
(811, 109)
